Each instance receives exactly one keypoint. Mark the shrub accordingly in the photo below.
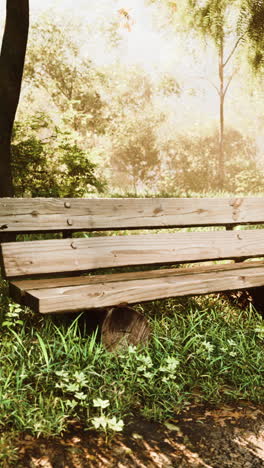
(46, 162)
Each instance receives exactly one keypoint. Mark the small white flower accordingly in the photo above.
(99, 421)
(80, 377)
(98, 403)
(231, 342)
(62, 373)
(145, 360)
(115, 425)
(80, 396)
(208, 346)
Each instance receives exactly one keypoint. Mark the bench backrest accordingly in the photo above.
(69, 255)
(48, 214)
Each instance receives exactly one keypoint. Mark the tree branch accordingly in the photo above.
(211, 83)
(232, 51)
(229, 82)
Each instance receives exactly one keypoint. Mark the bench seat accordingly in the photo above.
(73, 294)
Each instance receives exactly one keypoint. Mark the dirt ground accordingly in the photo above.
(200, 436)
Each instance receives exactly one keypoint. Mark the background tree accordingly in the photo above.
(190, 161)
(11, 70)
(135, 155)
(132, 140)
(47, 163)
(227, 25)
(216, 21)
(55, 64)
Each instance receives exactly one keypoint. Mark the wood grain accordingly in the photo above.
(124, 326)
(49, 214)
(72, 255)
(77, 298)
(18, 288)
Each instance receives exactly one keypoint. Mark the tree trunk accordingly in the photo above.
(123, 326)
(12, 59)
(221, 162)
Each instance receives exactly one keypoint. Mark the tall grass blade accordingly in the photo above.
(44, 350)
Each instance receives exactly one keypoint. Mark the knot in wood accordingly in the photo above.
(4, 226)
(157, 211)
(67, 204)
(34, 213)
(69, 221)
(73, 245)
(236, 204)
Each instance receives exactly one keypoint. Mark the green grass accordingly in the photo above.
(52, 371)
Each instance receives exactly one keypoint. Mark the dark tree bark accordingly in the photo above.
(12, 59)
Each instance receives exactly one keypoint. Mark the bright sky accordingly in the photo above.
(143, 44)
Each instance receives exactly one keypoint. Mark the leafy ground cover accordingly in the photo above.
(55, 374)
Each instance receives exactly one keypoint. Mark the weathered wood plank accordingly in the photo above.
(49, 214)
(69, 255)
(19, 287)
(77, 298)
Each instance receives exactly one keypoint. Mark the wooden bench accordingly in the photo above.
(48, 275)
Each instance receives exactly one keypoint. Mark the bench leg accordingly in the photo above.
(124, 326)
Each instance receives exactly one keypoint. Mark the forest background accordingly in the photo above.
(123, 97)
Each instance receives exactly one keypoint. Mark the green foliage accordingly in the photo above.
(54, 63)
(135, 155)
(52, 373)
(192, 164)
(103, 421)
(221, 19)
(210, 18)
(251, 21)
(47, 162)
(131, 90)
(8, 452)
(133, 119)
(168, 85)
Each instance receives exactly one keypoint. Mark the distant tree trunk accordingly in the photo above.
(12, 59)
(221, 161)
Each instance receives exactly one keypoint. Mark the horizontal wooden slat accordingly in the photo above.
(18, 288)
(66, 255)
(156, 286)
(48, 214)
